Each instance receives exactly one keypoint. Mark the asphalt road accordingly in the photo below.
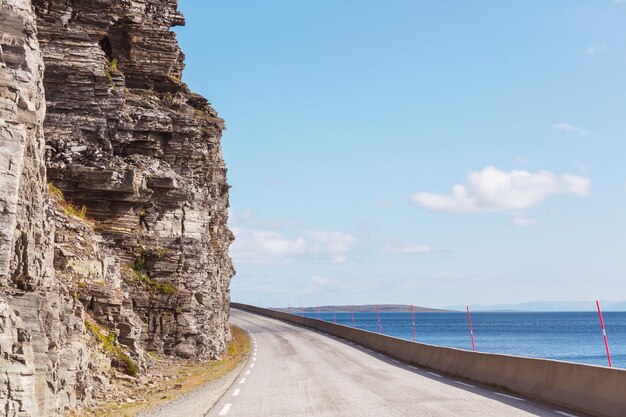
(295, 372)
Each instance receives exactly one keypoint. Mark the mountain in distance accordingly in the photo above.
(547, 306)
(368, 308)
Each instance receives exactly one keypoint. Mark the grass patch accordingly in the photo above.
(57, 195)
(143, 278)
(108, 344)
(191, 375)
(160, 251)
(168, 98)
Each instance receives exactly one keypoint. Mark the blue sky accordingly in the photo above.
(435, 153)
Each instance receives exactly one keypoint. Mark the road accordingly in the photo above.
(295, 372)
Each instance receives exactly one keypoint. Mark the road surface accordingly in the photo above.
(295, 372)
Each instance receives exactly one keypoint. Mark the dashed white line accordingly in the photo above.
(248, 372)
(465, 385)
(509, 396)
(254, 359)
(225, 409)
(369, 350)
(381, 355)
(395, 361)
(434, 374)
(252, 366)
(236, 392)
(563, 413)
(242, 380)
(412, 367)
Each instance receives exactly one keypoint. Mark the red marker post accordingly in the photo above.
(469, 320)
(378, 314)
(413, 323)
(606, 341)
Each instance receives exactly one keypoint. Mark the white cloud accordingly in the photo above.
(566, 127)
(265, 246)
(336, 243)
(525, 222)
(596, 49)
(492, 190)
(407, 248)
(619, 1)
(270, 247)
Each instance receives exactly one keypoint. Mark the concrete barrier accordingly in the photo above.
(594, 390)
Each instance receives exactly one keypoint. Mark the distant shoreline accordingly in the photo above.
(401, 308)
(367, 308)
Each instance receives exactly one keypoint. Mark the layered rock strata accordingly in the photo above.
(130, 142)
(126, 249)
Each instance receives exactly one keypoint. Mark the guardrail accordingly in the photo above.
(589, 389)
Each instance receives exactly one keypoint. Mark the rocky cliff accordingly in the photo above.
(113, 235)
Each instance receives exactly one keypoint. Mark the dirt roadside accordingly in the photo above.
(175, 387)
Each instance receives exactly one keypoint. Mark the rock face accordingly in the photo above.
(130, 241)
(127, 140)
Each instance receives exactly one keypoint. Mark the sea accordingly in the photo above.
(565, 336)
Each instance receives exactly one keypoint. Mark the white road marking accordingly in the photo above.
(381, 355)
(465, 385)
(434, 374)
(369, 350)
(254, 359)
(242, 380)
(509, 396)
(395, 361)
(252, 366)
(412, 367)
(248, 372)
(236, 392)
(563, 413)
(225, 409)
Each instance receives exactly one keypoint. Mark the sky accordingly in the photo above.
(428, 152)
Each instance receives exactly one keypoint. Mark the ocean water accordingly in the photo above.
(565, 336)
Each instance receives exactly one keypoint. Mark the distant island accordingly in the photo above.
(367, 308)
